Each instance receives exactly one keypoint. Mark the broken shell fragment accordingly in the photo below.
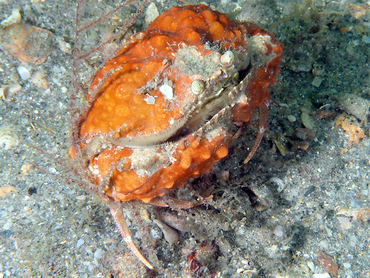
(8, 138)
(27, 43)
(39, 79)
(23, 72)
(15, 17)
(9, 91)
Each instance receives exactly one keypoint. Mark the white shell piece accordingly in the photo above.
(8, 138)
(149, 99)
(15, 17)
(24, 73)
(167, 91)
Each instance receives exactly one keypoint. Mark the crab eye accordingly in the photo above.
(227, 58)
(197, 86)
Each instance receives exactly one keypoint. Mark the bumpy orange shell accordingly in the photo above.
(144, 131)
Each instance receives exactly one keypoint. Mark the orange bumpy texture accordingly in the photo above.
(119, 106)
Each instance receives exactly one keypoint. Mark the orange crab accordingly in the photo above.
(164, 109)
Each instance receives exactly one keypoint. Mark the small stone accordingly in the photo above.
(274, 248)
(63, 45)
(26, 168)
(316, 82)
(326, 262)
(291, 118)
(154, 233)
(79, 243)
(324, 244)
(311, 266)
(347, 265)
(278, 231)
(7, 225)
(14, 76)
(98, 254)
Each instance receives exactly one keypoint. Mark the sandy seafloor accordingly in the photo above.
(299, 215)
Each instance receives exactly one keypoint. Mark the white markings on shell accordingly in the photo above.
(149, 99)
(166, 91)
(8, 138)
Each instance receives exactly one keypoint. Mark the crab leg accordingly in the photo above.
(125, 233)
(262, 126)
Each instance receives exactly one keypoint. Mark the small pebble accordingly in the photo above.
(98, 254)
(311, 266)
(291, 118)
(278, 231)
(80, 242)
(347, 265)
(324, 244)
(344, 222)
(316, 82)
(155, 234)
(274, 248)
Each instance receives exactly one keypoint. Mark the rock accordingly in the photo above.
(355, 105)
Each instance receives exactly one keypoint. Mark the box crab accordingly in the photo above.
(164, 109)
